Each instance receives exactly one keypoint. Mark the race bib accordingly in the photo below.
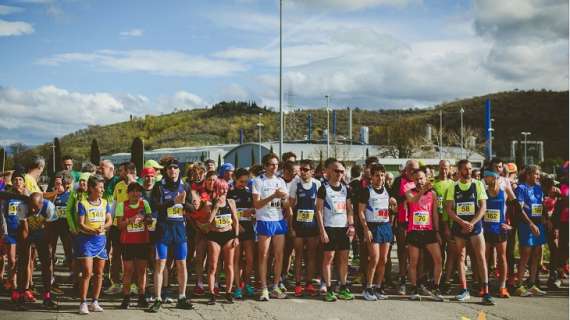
(536, 210)
(95, 215)
(60, 211)
(421, 218)
(135, 227)
(240, 214)
(465, 209)
(13, 209)
(383, 215)
(492, 215)
(440, 204)
(152, 226)
(223, 221)
(275, 204)
(36, 222)
(339, 206)
(175, 212)
(305, 215)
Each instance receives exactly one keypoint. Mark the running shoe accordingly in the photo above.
(330, 296)
(198, 290)
(402, 289)
(184, 303)
(298, 290)
(155, 306)
(345, 294)
(95, 307)
(142, 303)
(49, 304)
(277, 293)
(264, 295)
(379, 293)
(463, 295)
(15, 296)
(424, 291)
(323, 288)
(229, 297)
(249, 290)
(29, 296)
(310, 290)
(134, 289)
(415, 296)
(212, 300)
(238, 293)
(369, 294)
(436, 294)
(282, 286)
(536, 291)
(114, 289)
(481, 292)
(125, 303)
(504, 293)
(522, 291)
(83, 308)
(488, 300)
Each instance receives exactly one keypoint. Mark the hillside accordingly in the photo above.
(544, 113)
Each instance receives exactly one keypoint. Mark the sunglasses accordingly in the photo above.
(305, 169)
(339, 171)
(172, 167)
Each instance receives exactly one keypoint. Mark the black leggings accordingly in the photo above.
(23, 248)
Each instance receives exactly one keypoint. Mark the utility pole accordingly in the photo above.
(440, 134)
(280, 78)
(259, 126)
(328, 128)
(462, 148)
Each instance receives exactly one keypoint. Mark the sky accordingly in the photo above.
(68, 64)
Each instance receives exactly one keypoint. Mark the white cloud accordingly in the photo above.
(352, 5)
(36, 116)
(132, 33)
(14, 28)
(165, 63)
(6, 10)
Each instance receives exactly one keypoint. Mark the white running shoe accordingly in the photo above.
(95, 307)
(83, 309)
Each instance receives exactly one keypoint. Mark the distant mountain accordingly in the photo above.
(544, 113)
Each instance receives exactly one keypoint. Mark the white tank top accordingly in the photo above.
(377, 206)
(334, 211)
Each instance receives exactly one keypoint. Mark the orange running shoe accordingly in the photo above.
(29, 296)
(504, 293)
(298, 290)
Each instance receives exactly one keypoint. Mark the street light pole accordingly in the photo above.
(462, 150)
(280, 78)
(525, 134)
(328, 128)
(259, 126)
(491, 129)
(440, 134)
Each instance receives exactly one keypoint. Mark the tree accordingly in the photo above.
(95, 154)
(137, 154)
(58, 156)
(2, 159)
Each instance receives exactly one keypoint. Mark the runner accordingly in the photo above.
(269, 194)
(67, 165)
(289, 175)
(242, 197)
(168, 199)
(302, 199)
(374, 214)
(402, 184)
(423, 232)
(222, 238)
(34, 172)
(15, 208)
(532, 231)
(135, 217)
(441, 184)
(94, 219)
(60, 229)
(496, 226)
(336, 227)
(37, 233)
(155, 166)
(466, 205)
(210, 165)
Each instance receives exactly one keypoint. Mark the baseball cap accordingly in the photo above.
(228, 167)
(148, 172)
(511, 167)
(171, 163)
(152, 164)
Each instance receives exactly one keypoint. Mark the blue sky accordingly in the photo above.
(66, 64)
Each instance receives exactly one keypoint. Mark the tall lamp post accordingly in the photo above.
(491, 130)
(259, 125)
(280, 78)
(525, 134)
(328, 128)
(462, 149)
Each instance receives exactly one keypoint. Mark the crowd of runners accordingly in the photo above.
(284, 227)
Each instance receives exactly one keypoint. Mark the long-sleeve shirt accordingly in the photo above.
(71, 209)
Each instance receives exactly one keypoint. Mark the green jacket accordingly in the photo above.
(71, 209)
